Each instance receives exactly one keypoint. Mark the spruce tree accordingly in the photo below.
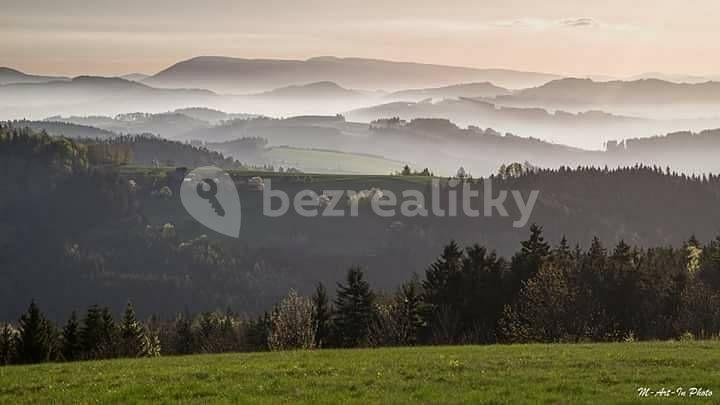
(71, 343)
(33, 342)
(108, 334)
(354, 309)
(184, 336)
(321, 315)
(132, 335)
(257, 332)
(91, 333)
(527, 262)
(440, 294)
(408, 303)
(438, 277)
(535, 245)
(228, 337)
(481, 295)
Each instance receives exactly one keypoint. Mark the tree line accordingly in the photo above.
(469, 295)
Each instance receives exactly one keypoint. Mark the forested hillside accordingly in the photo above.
(128, 237)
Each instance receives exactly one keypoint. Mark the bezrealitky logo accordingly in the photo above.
(209, 195)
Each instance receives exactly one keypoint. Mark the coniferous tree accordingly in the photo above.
(481, 293)
(439, 276)
(527, 262)
(71, 342)
(108, 334)
(354, 309)
(132, 334)
(408, 304)
(91, 333)
(184, 342)
(562, 251)
(33, 343)
(228, 338)
(442, 296)
(592, 297)
(710, 267)
(257, 331)
(321, 315)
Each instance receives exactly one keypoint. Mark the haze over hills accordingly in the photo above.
(66, 129)
(11, 76)
(482, 89)
(586, 92)
(168, 124)
(91, 95)
(587, 129)
(318, 90)
(481, 151)
(675, 78)
(235, 75)
(135, 77)
(578, 112)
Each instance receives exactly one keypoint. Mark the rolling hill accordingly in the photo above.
(67, 129)
(311, 91)
(92, 95)
(483, 89)
(586, 92)
(224, 74)
(556, 373)
(12, 76)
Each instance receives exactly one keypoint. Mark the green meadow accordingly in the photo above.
(532, 374)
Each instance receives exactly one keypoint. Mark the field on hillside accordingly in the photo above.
(328, 161)
(584, 373)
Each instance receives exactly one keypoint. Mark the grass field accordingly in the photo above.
(572, 374)
(327, 161)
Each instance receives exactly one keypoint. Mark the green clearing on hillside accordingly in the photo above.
(327, 161)
(583, 373)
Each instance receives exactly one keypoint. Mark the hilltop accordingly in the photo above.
(225, 74)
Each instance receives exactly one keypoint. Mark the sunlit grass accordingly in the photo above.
(587, 373)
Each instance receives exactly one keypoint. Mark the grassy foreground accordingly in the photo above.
(587, 373)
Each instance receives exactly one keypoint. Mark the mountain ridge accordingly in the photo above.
(241, 75)
(13, 76)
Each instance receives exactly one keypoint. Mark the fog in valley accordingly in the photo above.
(382, 115)
(211, 178)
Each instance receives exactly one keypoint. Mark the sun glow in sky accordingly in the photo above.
(613, 37)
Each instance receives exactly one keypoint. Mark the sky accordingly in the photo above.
(571, 37)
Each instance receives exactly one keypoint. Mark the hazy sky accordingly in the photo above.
(610, 37)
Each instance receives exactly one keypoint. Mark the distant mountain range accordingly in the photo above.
(235, 75)
(91, 95)
(67, 129)
(318, 90)
(585, 129)
(135, 77)
(87, 86)
(586, 92)
(469, 111)
(676, 78)
(578, 112)
(9, 76)
(484, 89)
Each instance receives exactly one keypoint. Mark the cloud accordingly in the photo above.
(537, 24)
(578, 22)
(465, 27)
